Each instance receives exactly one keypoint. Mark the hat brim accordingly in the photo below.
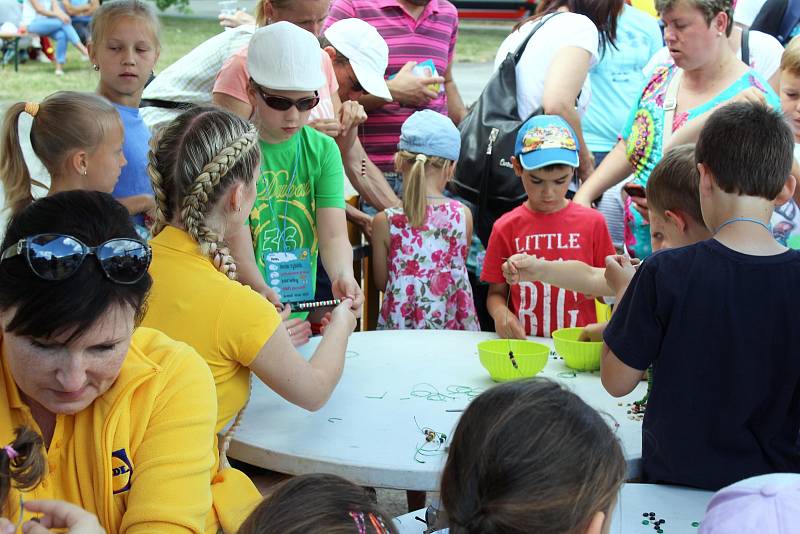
(372, 82)
(548, 156)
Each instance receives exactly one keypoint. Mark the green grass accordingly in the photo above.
(36, 80)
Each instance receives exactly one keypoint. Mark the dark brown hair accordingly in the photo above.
(530, 456)
(26, 469)
(674, 184)
(748, 148)
(317, 504)
(603, 13)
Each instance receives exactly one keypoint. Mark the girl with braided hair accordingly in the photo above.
(203, 167)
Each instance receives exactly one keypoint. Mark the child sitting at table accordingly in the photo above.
(716, 320)
(675, 221)
(548, 226)
(420, 250)
(531, 456)
(318, 504)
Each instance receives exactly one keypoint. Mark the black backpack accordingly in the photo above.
(778, 18)
(484, 175)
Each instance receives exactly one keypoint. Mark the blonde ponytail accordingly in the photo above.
(415, 200)
(13, 170)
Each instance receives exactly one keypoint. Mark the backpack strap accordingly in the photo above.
(746, 46)
(670, 103)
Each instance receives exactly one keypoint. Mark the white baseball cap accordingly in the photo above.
(285, 57)
(368, 53)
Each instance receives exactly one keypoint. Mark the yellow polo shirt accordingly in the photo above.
(226, 322)
(142, 456)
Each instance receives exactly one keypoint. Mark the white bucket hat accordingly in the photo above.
(285, 57)
(368, 53)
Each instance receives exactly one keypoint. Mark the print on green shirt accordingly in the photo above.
(284, 214)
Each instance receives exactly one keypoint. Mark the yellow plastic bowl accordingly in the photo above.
(531, 357)
(578, 355)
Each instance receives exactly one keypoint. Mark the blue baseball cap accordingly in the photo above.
(430, 133)
(546, 140)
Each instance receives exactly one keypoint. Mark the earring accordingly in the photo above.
(96, 67)
(719, 34)
(84, 172)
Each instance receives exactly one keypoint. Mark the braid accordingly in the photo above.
(196, 200)
(226, 439)
(157, 180)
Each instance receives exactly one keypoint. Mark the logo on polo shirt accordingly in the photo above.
(121, 471)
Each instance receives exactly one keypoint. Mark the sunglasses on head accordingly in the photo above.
(58, 256)
(281, 103)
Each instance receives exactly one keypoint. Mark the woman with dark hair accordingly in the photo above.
(552, 73)
(126, 414)
(705, 74)
(531, 456)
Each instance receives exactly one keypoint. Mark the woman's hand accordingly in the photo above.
(640, 205)
(346, 287)
(593, 332)
(520, 267)
(61, 515)
(343, 313)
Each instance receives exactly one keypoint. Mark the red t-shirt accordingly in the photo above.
(572, 233)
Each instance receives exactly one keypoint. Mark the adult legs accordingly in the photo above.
(61, 33)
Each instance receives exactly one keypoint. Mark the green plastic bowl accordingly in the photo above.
(531, 358)
(578, 355)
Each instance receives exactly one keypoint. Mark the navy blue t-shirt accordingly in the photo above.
(720, 329)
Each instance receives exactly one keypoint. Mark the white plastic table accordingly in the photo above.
(682, 509)
(370, 430)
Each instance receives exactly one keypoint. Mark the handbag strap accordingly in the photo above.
(521, 48)
(670, 103)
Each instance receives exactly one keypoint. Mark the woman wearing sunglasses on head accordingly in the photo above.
(299, 205)
(204, 169)
(126, 414)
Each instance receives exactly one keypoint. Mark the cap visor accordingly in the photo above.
(548, 156)
(372, 82)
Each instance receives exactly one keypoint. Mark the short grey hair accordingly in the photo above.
(709, 8)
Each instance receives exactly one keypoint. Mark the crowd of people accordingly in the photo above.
(658, 162)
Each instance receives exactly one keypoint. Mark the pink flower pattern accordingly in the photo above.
(428, 286)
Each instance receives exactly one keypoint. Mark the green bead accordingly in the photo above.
(645, 522)
(695, 524)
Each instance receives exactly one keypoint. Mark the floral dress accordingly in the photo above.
(428, 286)
(643, 135)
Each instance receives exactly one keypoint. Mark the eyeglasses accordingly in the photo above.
(57, 257)
(356, 85)
(281, 103)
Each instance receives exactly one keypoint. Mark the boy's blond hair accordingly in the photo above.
(674, 184)
(790, 60)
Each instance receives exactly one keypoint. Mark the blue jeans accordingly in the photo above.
(55, 28)
(81, 25)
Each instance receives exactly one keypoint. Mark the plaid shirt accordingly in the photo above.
(191, 78)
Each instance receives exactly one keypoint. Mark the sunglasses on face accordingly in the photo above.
(281, 103)
(57, 257)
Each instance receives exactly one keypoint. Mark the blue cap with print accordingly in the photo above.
(430, 133)
(546, 140)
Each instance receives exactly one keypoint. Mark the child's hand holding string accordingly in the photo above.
(619, 272)
(509, 327)
(299, 330)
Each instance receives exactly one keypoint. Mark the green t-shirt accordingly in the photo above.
(297, 177)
